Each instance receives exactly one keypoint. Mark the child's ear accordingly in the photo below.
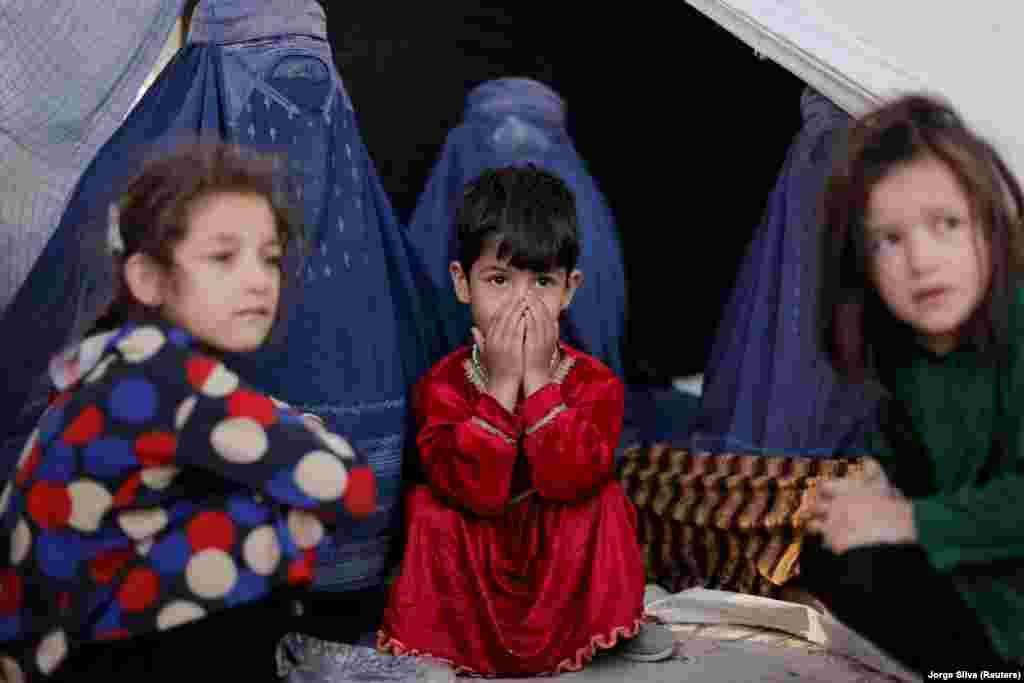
(460, 279)
(572, 283)
(144, 277)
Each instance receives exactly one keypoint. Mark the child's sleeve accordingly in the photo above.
(973, 526)
(570, 440)
(468, 445)
(980, 523)
(242, 435)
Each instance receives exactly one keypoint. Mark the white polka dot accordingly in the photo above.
(142, 344)
(21, 541)
(184, 412)
(159, 478)
(140, 524)
(142, 548)
(261, 550)
(99, 370)
(11, 671)
(339, 445)
(321, 476)
(177, 613)
(93, 346)
(51, 652)
(306, 529)
(27, 449)
(220, 383)
(240, 440)
(5, 498)
(89, 502)
(211, 574)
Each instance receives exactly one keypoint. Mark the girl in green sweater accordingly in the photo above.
(923, 258)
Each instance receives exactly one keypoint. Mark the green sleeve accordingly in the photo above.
(983, 521)
(975, 525)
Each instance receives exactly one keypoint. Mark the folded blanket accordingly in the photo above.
(723, 520)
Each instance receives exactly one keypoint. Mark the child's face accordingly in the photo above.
(491, 283)
(227, 277)
(928, 257)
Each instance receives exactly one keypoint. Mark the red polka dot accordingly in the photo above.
(156, 449)
(49, 504)
(361, 493)
(103, 568)
(139, 590)
(249, 404)
(29, 466)
(114, 634)
(198, 369)
(301, 570)
(84, 428)
(126, 494)
(11, 588)
(211, 530)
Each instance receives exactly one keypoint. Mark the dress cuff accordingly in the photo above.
(494, 418)
(542, 407)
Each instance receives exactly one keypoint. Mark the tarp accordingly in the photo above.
(860, 53)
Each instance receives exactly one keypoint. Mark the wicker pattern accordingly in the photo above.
(723, 520)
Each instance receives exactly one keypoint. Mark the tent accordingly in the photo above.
(858, 54)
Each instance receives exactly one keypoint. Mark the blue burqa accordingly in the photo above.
(512, 121)
(259, 73)
(768, 386)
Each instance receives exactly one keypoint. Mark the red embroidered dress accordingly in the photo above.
(522, 556)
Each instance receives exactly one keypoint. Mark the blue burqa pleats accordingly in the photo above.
(768, 386)
(513, 121)
(354, 337)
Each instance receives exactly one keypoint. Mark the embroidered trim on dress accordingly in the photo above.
(491, 429)
(562, 371)
(583, 656)
(552, 414)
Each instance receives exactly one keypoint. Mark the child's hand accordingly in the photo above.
(539, 347)
(502, 352)
(851, 514)
(874, 475)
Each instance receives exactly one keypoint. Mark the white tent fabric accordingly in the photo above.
(860, 53)
(69, 72)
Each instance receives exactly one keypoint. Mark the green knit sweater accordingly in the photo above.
(962, 465)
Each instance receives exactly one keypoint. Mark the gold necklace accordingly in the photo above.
(482, 371)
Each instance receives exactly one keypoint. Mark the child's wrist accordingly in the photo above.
(505, 391)
(535, 381)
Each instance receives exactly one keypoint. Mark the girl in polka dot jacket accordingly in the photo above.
(162, 508)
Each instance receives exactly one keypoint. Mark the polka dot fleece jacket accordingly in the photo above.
(157, 489)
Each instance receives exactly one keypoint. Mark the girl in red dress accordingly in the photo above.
(522, 556)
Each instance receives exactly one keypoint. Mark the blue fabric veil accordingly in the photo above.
(768, 386)
(512, 121)
(260, 73)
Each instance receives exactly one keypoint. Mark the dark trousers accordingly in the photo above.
(892, 596)
(236, 644)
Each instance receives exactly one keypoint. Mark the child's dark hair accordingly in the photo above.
(529, 212)
(153, 212)
(855, 322)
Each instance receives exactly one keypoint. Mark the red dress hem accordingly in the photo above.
(583, 656)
